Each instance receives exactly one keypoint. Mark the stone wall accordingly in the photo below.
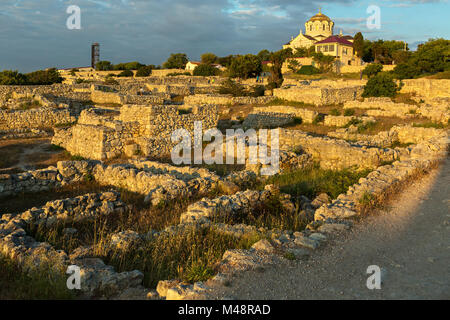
(34, 118)
(267, 120)
(306, 115)
(427, 87)
(342, 121)
(31, 181)
(319, 95)
(383, 181)
(147, 129)
(335, 154)
(225, 99)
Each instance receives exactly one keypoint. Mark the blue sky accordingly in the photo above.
(33, 33)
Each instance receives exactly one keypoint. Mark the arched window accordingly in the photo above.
(323, 27)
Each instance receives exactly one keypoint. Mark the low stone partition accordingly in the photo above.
(31, 181)
(267, 120)
(384, 139)
(228, 206)
(34, 118)
(97, 279)
(335, 154)
(306, 115)
(342, 121)
(380, 183)
(200, 99)
(410, 134)
(427, 87)
(319, 95)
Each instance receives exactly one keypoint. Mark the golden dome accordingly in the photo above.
(319, 17)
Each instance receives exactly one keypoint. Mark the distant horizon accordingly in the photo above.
(37, 37)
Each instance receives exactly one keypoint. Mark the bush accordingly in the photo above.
(144, 71)
(176, 61)
(430, 58)
(205, 70)
(44, 77)
(372, 69)
(9, 77)
(349, 112)
(247, 66)
(381, 85)
(308, 70)
(103, 66)
(126, 73)
(335, 112)
(231, 87)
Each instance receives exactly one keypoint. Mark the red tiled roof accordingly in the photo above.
(336, 39)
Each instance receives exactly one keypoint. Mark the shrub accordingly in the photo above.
(176, 61)
(245, 66)
(349, 112)
(335, 112)
(381, 85)
(318, 119)
(43, 77)
(144, 71)
(126, 73)
(372, 69)
(258, 91)
(103, 66)
(9, 77)
(308, 70)
(232, 87)
(205, 70)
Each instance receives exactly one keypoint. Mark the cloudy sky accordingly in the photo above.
(34, 35)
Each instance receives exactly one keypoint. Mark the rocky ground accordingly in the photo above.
(409, 239)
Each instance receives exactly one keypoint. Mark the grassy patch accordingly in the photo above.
(349, 112)
(335, 112)
(29, 105)
(191, 256)
(41, 284)
(283, 102)
(311, 182)
(429, 125)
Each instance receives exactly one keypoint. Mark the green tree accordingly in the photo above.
(381, 85)
(43, 77)
(264, 55)
(205, 70)
(245, 66)
(430, 58)
(324, 61)
(278, 58)
(145, 71)
(176, 61)
(9, 77)
(358, 44)
(372, 69)
(209, 58)
(104, 66)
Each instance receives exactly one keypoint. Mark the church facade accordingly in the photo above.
(319, 33)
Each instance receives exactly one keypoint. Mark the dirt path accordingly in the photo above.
(410, 241)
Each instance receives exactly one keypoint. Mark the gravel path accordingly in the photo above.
(410, 241)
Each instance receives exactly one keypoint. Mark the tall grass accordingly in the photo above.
(190, 256)
(42, 283)
(313, 181)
